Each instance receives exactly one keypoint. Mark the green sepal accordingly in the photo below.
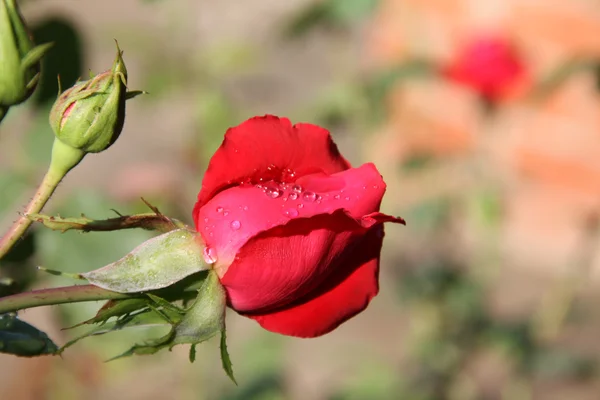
(192, 355)
(34, 56)
(225, 359)
(115, 308)
(145, 318)
(202, 321)
(134, 93)
(155, 264)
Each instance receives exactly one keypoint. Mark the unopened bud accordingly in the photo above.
(90, 115)
(19, 57)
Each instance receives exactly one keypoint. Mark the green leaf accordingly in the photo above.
(155, 264)
(21, 339)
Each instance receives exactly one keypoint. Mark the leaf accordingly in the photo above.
(21, 339)
(155, 264)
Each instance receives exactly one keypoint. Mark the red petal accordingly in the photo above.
(281, 265)
(269, 148)
(239, 213)
(340, 297)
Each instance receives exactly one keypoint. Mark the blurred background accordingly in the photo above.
(482, 116)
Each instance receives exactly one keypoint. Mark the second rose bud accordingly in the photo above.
(90, 115)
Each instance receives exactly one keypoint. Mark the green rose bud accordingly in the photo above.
(19, 58)
(89, 116)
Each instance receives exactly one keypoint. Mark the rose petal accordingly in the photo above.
(269, 148)
(281, 265)
(237, 214)
(342, 296)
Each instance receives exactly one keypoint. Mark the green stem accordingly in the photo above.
(64, 158)
(186, 289)
(60, 295)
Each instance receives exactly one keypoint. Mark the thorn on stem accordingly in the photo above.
(153, 208)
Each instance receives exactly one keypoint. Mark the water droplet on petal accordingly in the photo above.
(245, 208)
(235, 225)
(219, 209)
(375, 186)
(273, 193)
(347, 198)
(337, 197)
(293, 196)
(210, 255)
(226, 213)
(292, 213)
(206, 219)
(309, 196)
(300, 205)
(297, 189)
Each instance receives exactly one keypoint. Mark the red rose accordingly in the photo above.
(491, 66)
(295, 231)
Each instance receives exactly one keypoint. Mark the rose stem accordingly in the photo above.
(60, 295)
(64, 158)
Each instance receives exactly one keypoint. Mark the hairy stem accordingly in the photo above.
(63, 160)
(60, 295)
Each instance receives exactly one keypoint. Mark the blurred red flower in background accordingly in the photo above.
(491, 66)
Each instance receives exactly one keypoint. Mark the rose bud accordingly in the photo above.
(90, 115)
(491, 66)
(293, 230)
(19, 57)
